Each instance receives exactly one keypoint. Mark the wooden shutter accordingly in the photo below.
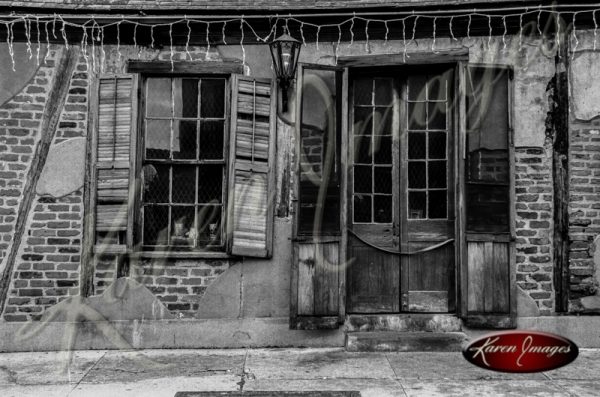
(487, 227)
(252, 150)
(114, 135)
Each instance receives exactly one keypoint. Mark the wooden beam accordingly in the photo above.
(558, 129)
(54, 104)
(224, 67)
(411, 58)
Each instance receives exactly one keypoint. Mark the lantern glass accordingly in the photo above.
(285, 51)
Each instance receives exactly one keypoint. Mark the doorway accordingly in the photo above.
(401, 190)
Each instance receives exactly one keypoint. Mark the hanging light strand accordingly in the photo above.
(96, 30)
(9, 43)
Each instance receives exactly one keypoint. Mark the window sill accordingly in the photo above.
(181, 255)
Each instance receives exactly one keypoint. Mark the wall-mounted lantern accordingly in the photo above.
(285, 51)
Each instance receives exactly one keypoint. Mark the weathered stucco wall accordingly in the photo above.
(235, 288)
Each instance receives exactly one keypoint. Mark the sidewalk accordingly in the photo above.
(164, 372)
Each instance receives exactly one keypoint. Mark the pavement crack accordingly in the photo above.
(87, 372)
(242, 381)
(396, 377)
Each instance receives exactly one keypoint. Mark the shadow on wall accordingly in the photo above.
(12, 82)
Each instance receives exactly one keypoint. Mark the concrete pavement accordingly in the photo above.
(164, 372)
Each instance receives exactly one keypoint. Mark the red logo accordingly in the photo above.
(521, 351)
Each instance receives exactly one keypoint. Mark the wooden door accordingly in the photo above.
(373, 184)
(427, 198)
(400, 192)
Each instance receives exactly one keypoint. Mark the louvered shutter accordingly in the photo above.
(252, 149)
(113, 141)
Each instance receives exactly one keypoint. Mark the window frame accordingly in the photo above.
(139, 249)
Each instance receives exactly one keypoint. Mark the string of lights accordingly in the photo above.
(92, 35)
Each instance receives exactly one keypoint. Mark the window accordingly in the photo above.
(487, 162)
(372, 171)
(427, 101)
(184, 128)
(319, 187)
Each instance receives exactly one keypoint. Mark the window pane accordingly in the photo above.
(383, 120)
(184, 184)
(437, 174)
(417, 116)
(416, 145)
(488, 165)
(363, 92)
(417, 88)
(487, 147)
(437, 115)
(438, 204)
(185, 139)
(156, 221)
(383, 180)
(363, 179)
(158, 98)
(487, 208)
(362, 149)
(209, 225)
(416, 174)
(185, 92)
(363, 120)
(362, 208)
(156, 183)
(437, 145)
(382, 149)
(210, 183)
(417, 202)
(212, 94)
(319, 148)
(384, 91)
(182, 226)
(383, 209)
(158, 139)
(211, 139)
(437, 87)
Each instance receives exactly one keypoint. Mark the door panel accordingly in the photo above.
(373, 275)
(428, 182)
(374, 280)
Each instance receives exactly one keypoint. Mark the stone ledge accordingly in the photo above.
(162, 334)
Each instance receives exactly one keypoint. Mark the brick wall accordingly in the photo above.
(534, 224)
(46, 269)
(179, 284)
(584, 210)
(19, 134)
